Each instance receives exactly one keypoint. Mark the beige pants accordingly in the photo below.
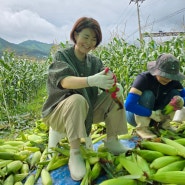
(70, 114)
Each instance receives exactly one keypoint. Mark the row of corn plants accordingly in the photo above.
(20, 80)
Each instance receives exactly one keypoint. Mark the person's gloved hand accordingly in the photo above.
(101, 80)
(176, 103)
(119, 93)
(156, 115)
(179, 115)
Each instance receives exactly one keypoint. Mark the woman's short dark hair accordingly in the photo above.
(86, 22)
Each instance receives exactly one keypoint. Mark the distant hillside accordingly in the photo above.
(28, 48)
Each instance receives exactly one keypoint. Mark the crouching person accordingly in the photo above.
(74, 103)
(151, 91)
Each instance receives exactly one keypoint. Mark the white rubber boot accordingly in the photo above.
(76, 165)
(54, 137)
(142, 128)
(115, 146)
(179, 115)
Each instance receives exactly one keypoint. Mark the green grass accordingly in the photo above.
(35, 106)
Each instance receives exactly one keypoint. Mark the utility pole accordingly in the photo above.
(138, 16)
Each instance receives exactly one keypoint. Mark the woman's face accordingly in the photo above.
(163, 80)
(85, 41)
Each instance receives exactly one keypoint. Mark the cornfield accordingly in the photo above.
(20, 79)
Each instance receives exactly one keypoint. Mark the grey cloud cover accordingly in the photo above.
(51, 21)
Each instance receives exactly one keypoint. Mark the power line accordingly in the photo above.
(166, 17)
(159, 20)
(123, 16)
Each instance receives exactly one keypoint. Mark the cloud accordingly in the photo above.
(164, 14)
(49, 21)
(24, 25)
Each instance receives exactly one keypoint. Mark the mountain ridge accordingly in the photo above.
(29, 48)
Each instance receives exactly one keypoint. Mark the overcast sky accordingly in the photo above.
(50, 21)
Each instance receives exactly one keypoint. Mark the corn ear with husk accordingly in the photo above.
(18, 183)
(123, 180)
(30, 180)
(93, 160)
(132, 167)
(13, 167)
(25, 168)
(179, 148)
(3, 163)
(12, 156)
(160, 147)
(144, 165)
(163, 161)
(9, 180)
(35, 159)
(174, 166)
(181, 141)
(58, 163)
(40, 166)
(95, 171)
(170, 177)
(20, 176)
(46, 177)
(149, 155)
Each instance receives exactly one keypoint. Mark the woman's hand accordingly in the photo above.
(101, 80)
